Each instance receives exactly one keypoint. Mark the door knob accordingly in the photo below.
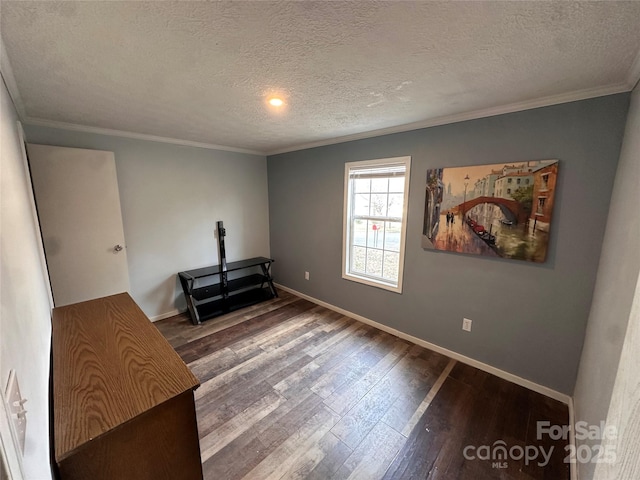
(117, 248)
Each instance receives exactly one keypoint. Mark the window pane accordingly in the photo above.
(392, 236)
(358, 259)
(390, 267)
(359, 232)
(361, 206)
(374, 223)
(379, 185)
(395, 205)
(374, 262)
(396, 185)
(378, 205)
(375, 234)
(362, 185)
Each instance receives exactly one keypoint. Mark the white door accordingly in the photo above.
(78, 206)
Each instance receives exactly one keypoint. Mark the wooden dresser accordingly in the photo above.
(123, 402)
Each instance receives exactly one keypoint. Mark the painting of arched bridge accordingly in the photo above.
(514, 210)
(497, 210)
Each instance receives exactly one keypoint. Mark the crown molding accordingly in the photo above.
(7, 74)
(137, 136)
(444, 120)
(9, 80)
(473, 115)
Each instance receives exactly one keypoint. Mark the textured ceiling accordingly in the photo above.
(201, 72)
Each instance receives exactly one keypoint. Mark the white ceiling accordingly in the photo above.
(200, 72)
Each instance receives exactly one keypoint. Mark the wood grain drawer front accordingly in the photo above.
(122, 397)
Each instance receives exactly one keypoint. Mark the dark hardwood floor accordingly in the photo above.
(293, 390)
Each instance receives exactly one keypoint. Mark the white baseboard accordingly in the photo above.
(523, 382)
(162, 316)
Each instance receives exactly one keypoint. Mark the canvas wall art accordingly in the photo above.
(498, 210)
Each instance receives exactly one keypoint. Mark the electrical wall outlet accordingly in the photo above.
(306, 275)
(15, 402)
(466, 324)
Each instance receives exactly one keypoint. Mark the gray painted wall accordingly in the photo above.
(25, 313)
(615, 287)
(171, 197)
(529, 319)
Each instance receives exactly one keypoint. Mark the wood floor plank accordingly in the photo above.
(404, 407)
(266, 362)
(215, 341)
(314, 325)
(358, 422)
(314, 456)
(373, 456)
(331, 462)
(305, 321)
(324, 362)
(343, 400)
(427, 400)
(235, 459)
(351, 370)
(284, 457)
(292, 390)
(216, 363)
(234, 427)
(213, 415)
(343, 335)
(415, 376)
(429, 439)
(181, 325)
(284, 423)
(251, 447)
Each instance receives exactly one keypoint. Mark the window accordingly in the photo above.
(541, 203)
(375, 221)
(545, 181)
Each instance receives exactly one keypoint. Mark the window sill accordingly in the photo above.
(373, 283)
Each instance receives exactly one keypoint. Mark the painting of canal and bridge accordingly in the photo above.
(499, 210)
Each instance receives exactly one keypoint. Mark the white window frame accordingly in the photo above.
(346, 242)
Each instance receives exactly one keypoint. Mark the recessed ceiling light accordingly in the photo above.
(276, 102)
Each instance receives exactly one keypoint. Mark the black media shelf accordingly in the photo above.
(209, 292)
(219, 307)
(215, 289)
